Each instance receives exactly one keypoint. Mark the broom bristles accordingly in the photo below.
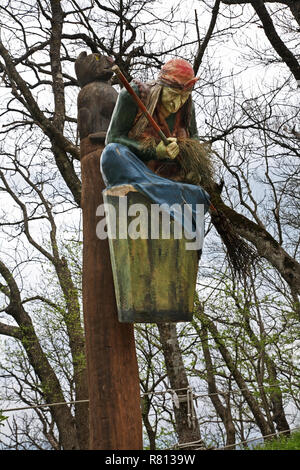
(195, 157)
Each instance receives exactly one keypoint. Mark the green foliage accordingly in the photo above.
(282, 443)
(2, 418)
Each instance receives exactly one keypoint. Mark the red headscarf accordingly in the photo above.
(178, 73)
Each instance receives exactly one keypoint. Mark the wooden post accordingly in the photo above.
(114, 394)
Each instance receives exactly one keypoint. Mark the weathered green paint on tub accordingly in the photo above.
(154, 280)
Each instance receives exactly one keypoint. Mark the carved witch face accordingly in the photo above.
(178, 79)
(172, 99)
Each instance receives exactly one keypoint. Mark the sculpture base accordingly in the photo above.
(154, 279)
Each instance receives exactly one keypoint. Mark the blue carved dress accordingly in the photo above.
(123, 161)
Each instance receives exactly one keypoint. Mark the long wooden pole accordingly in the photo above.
(113, 380)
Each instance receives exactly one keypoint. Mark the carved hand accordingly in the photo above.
(170, 151)
(193, 178)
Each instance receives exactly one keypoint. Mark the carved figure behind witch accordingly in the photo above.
(134, 153)
(97, 98)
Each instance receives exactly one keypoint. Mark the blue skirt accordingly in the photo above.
(121, 166)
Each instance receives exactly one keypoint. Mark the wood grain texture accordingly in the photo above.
(114, 412)
(113, 380)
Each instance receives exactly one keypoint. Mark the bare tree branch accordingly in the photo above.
(61, 144)
(294, 5)
(12, 331)
(202, 46)
(279, 46)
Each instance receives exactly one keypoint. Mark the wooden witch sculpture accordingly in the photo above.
(152, 145)
(168, 170)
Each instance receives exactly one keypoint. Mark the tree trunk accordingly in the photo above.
(279, 417)
(50, 386)
(187, 432)
(147, 424)
(253, 405)
(223, 411)
(275, 394)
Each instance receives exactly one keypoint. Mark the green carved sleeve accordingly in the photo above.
(121, 123)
